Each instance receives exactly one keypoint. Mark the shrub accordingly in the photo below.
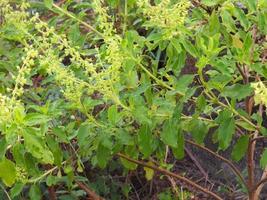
(83, 82)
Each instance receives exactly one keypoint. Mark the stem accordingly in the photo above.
(90, 193)
(168, 173)
(231, 165)
(45, 174)
(160, 82)
(125, 16)
(78, 20)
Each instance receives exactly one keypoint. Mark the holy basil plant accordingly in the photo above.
(86, 82)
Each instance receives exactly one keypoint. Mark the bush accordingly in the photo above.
(83, 82)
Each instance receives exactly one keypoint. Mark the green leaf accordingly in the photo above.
(132, 152)
(178, 151)
(35, 193)
(7, 172)
(102, 154)
(169, 134)
(182, 83)
(237, 91)
(83, 134)
(55, 149)
(113, 115)
(37, 147)
(3, 147)
(240, 15)
(16, 189)
(214, 24)
(226, 129)
(237, 43)
(210, 2)
(240, 148)
(48, 3)
(33, 119)
(149, 172)
(145, 139)
(188, 46)
(263, 160)
(198, 130)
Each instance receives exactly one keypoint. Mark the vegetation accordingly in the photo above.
(118, 86)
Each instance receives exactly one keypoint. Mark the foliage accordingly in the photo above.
(85, 80)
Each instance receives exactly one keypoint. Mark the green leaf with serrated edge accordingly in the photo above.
(36, 146)
(237, 91)
(7, 172)
(263, 160)
(33, 119)
(145, 139)
(240, 148)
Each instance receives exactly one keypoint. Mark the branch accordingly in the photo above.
(89, 192)
(168, 173)
(231, 165)
(262, 181)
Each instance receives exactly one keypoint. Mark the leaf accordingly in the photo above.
(102, 154)
(169, 134)
(35, 193)
(240, 148)
(240, 15)
(178, 152)
(198, 130)
(263, 160)
(214, 23)
(113, 115)
(82, 134)
(37, 147)
(149, 172)
(33, 119)
(7, 172)
(145, 139)
(237, 91)
(55, 149)
(237, 43)
(48, 3)
(182, 84)
(189, 47)
(16, 189)
(226, 129)
(3, 147)
(210, 2)
(132, 152)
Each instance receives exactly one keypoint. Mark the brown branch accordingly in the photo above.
(168, 173)
(91, 194)
(231, 165)
(262, 181)
(241, 72)
(52, 193)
